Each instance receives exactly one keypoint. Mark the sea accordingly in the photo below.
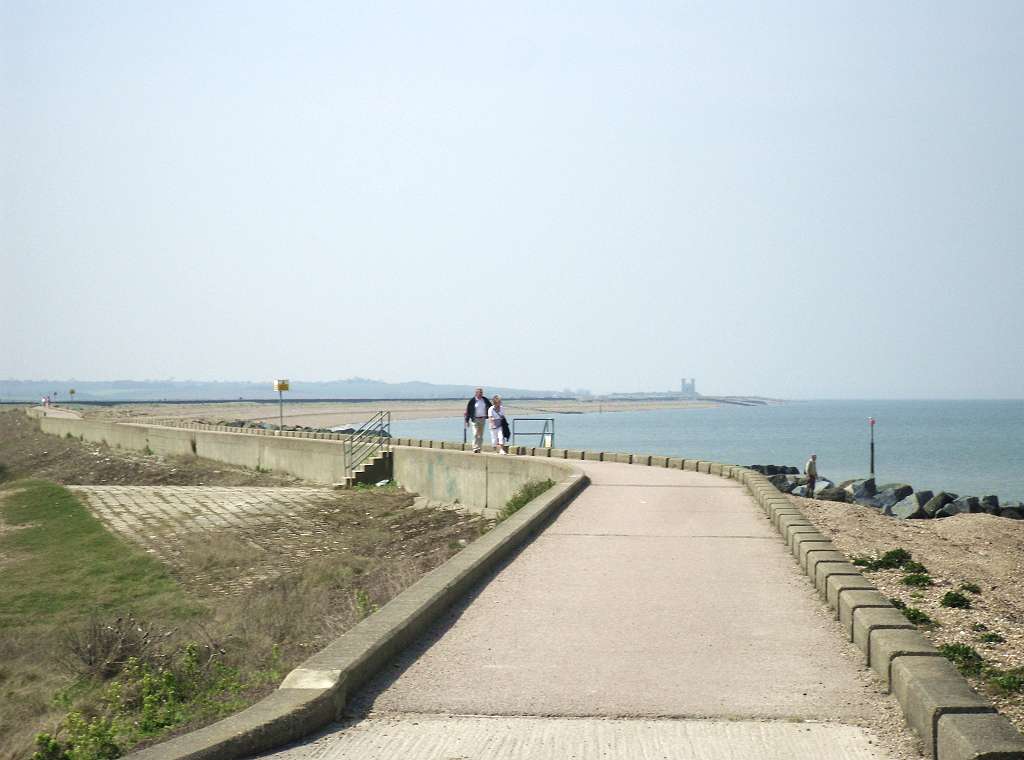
(966, 447)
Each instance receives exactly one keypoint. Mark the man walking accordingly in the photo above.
(476, 413)
(811, 471)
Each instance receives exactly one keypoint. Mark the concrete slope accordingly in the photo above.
(655, 594)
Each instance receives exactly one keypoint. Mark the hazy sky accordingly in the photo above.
(794, 199)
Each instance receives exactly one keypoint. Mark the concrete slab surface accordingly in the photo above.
(446, 737)
(656, 594)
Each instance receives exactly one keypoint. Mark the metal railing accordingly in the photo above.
(373, 436)
(546, 434)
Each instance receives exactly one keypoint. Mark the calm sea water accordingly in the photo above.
(969, 447)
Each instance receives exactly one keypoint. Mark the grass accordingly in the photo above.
(141, 656)
(917, 617)
(63, 569)
(972, 588)
(970, 663)
(524, 496)
(918, 580)
(955, 599)
(966, 658)
(890, 560)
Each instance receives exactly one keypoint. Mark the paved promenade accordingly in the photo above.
(659, 616)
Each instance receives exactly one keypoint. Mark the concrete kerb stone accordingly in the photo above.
(928, 688)
(774, 505)
(642, 459)
(690, 465)
(824, 570)
(810, 549)
(866, 620)
(814, 558)
(594, 456)
(659, 461)
(837, 585)
(888, 644)
(790, 529)
(786, 520)
(314, 694)
(675, 463)
(977, 737)
(852, 601)
(807, 535)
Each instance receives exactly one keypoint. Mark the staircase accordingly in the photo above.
(368, 452)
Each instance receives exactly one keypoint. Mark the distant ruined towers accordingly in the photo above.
(688, 387)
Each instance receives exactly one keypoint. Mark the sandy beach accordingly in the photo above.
(342, 413)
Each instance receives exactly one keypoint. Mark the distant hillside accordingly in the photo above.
(188, 390)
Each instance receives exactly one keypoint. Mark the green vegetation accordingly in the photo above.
(978, 627)
(918, 579)
(1007, 681)
(890, 560)
(898, 603)
(917, 617)
(915, 567)
(955, 599)
(65, 565)
(991, 637)
(972, 588)
(99, 640)
(524, 496)
(970, 663)
(966, 659)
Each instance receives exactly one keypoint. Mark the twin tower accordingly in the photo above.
(688, 387)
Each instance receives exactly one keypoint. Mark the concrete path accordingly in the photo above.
(657, 617)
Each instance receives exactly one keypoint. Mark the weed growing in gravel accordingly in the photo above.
(898, 603)
(890, 560)
(973, 588)
(918, 580)
(970, 663)
(955, 599)
(978, 627)
(991, 637)
(966, 658)
(915, 567)
(917, 617)
(1007, 680)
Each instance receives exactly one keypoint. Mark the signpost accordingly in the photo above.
(871, 424)
(281, 386)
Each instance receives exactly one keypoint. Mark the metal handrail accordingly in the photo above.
(372, 436)
(546, 434)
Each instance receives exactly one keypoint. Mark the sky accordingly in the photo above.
(789, 199)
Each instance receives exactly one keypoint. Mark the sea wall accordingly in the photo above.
(424, 467)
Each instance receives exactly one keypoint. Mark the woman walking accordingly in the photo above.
(498, 425)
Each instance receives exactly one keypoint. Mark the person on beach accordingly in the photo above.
(476, 414)
(811, 471)
(499, 426)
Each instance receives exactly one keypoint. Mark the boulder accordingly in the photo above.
(770, 469)
(846, 483)
(990, 504)
(786, 483)
(861, 489)
(910, 508)
(832, 493)
(792, 470)
(938, 501)
(1014, 513)
(947, 511)
(892, 493)
(962, 505)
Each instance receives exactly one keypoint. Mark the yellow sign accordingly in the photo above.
(280, 385)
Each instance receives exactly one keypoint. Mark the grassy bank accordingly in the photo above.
(63, 574)
(103, 648)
